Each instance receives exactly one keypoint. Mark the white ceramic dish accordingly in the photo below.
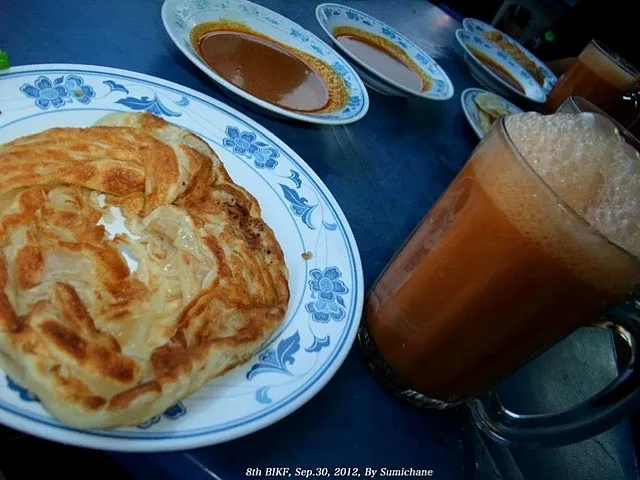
(476, 26)
(532, 90)
(332, 15)
(180, 16)
(471, 111)
(326, 290)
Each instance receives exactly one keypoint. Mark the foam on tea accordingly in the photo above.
(585, 160)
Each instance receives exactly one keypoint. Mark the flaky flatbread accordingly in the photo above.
(103, 345)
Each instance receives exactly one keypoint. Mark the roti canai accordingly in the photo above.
(102, 343)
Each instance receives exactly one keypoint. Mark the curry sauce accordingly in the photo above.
(497, 69)
(268, 69)
(383, 56)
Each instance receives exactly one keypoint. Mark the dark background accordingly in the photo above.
(610, 21)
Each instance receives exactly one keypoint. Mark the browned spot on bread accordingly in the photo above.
(29, 266)
(82, 173)
(171, 360)
(151, 122)
(253, 230)
(196, 308)
(65, 339)
(200, 186)
(3, 273)
(114, 366)
(72, 388)
(9, 321)
(123, 399)
(72, 307)
(31, 199)
(100, 360)
(74, 311)
(121, 181)
(25, 180)
(216, 249)
(94, 402)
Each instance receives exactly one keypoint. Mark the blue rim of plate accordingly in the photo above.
(175, 21)
(477, 26)
(470, 109)
(462, 36)
(442, 89)
(46, 427)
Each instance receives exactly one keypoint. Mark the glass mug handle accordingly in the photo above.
(589, 418)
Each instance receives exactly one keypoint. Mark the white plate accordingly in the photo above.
(180, 16)
(317, 333)
(482, 73)
(471, 111)
(476, 26)
(332, 15)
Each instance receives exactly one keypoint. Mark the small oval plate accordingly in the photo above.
(471, 110)
(476, 26)
(482, 73)
(180, 16)
(332, 15)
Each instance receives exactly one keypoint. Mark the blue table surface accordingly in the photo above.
(385, 171)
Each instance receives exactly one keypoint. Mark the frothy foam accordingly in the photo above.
(584, 159)
(616, 69)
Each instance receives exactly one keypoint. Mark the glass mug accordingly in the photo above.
(577, 104)
(598, 74)
(470, 297)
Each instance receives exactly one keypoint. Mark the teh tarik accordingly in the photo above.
(536, 235)
(598, 75)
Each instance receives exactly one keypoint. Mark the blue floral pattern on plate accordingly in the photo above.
(171, 413)
(295, 178)
(151, 105)
(265, 157)
(58, 92)
(78, 90)
(327, 290)
(299, 205)
(241, 143)
(277, 360)
(24, 394)
(354, 15)
(389, 33)
(246, 144)
(115, 87)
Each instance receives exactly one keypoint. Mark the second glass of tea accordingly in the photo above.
(534, 238)
(598, 74)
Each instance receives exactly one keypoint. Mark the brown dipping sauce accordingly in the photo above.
(264, 69)
(497, 69)
(381, 61)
